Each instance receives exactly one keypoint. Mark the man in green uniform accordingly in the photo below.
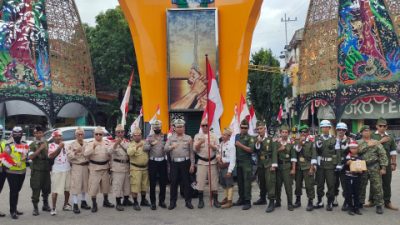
(375, 156)
(306, 164)
(286, 166)
(40, 171)
(244, 144)
(329, 159)
(390, 147)
(267, 163)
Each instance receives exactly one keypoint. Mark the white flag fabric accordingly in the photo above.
(234, 126)
(154, 118)
(125, 102)
(136, 123)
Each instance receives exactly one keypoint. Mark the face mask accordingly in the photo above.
(17, 139)
(157, 131)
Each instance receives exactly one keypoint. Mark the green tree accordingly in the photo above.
(113, 59)
(266, 88)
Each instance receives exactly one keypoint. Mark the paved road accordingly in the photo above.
(208, 215)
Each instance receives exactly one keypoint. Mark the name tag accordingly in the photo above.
(302, 159)
(262, 157)
(287, 156)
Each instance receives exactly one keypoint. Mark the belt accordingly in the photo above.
(180, 159)
(121, 161)
(133, 164)
(283, 162)
(157, 159)
(82, 164)
(326, 159)
(205, 159)
(99, 163)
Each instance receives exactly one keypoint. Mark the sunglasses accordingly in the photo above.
(79, 134)
(98, 134)
(120, 132)
(382, 125)
(341, 130)
(204, 125)
(304, 131)
(244, 128)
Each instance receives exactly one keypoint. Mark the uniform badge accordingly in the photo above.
(287, 156)
(302, 159)
(262, 157)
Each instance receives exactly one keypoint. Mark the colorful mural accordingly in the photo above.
(24, 52)
(192, 3)
(368, 49)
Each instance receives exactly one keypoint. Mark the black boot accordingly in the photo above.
(290, 206)
(14, 215)
(127, 202)
(246, 205)
(85, 206)
(335, 202)
(46, 206)
(239, 202)
(319, 204)
(144, 202)
(260, 201)
(162, 205)
(310, 206)
(94, 205)
(277, 203)
(297, 203)
(35, 210)
(329, 206)
(136, 205)
(215, 200)
(357, 211)
(172, 205)
(201, 201)
(76, 209)
(107, 203)
(271, 206)
(345, 206)
(379, 209)
(119, 205)
(189, 205)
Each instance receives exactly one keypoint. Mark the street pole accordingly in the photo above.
(287, 20)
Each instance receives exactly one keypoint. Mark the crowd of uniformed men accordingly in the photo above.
(128, 167)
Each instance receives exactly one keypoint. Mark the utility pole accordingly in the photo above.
(287, 20)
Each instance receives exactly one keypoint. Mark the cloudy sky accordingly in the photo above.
(269, 33)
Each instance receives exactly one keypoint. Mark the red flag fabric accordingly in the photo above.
(279, 117)
(125, 102)
(214, 107)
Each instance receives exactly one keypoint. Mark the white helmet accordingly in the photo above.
(341, 126)
(325, 123)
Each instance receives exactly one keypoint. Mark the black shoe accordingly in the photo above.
(119, 208)
(215, 201)
(2, 214)
(144, 202)
(310, 206)
(350, 212)
(136, 206)
(14, 216)
(84, 205)
(335, 202)
(35, 212)
(201, 203)
(357, 211)
(162, 205)
(297, 203)
(329, 206)
(94, 208)
(172, 205)
(239, 202)
(290, 207)
(76, 209)
(246, 205)
(270, 207)
(189, 205)
(319, 205)
(108, 204)
(46, 207)
(153, 206)
(345, 207)
(19, 213)
(127, 202)
(277, 204)
(379, 209)
(260, 201)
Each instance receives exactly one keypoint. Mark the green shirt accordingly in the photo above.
(389, 146)
(41, 162)
(267, 157)
(287, 156)
(375, 156)
(241, 155)
(330, 157)
(306, 155)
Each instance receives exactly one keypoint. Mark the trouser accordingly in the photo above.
(340, 179)
(309, 183)
(40, 182)
(244, 180)
(15, 181)
(99, 180)
(299, 177)
(352, 197)
(226, 182)
(158, 172)
(375, 180)
(203, 175)
(283, 177)
(3, 176)
(386, 186)
(121, 184)
(180, 172)
(326, 176)
(262, 181)
(270, 183)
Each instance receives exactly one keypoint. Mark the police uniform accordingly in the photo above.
(120, 172)
(341, 145)
(244, 167)
(157, 165)
(205, 164)
(182, 159)
(376, 159)
(286, 158)
(267, 159)
(99, 154)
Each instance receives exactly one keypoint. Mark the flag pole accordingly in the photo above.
(312, 116)
(208, 131)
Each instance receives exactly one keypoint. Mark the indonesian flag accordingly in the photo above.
(136, 123)
(253, 121)
(279, 117)
(312, 107)
(154, 118)
(125, 102)
(7, 160)
(214, 106)
(243, 110)
(234, 126)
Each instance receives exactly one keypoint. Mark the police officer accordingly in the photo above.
(244, 149)
(120, 169)
(390, 146)
(376, 159)
(157, 165)
(18, 150)
(2, 169)
(40, 171)
(267, 164)
(286, 166)
(342, 145)
(206, 162)
(306, 166)
(180, 146)
(328, 159)
(99, 154)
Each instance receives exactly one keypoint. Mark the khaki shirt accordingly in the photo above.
(203, 152)
(137, 155)
(101, 153)
(183, 149)
(75, 153)
(120, 153)
(156, 150)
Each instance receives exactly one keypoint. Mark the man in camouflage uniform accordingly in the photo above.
(267, 164)
(306, 166)
(287, 159)
(375, 156)
(40, 171)
(244, 144)
(328, 159)
(389, 144)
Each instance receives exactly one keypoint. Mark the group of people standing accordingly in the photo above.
(129, 167)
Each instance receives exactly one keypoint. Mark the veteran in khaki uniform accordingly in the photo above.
(139, 160)
(120, 169)
(79, 170)
(206, 161)
(99, 154)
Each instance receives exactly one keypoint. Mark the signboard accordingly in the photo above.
(372, 110)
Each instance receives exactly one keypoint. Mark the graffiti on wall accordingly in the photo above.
(24, 53)
(368, 49)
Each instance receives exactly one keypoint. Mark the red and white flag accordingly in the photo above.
(234, 126)
(253, 121)
(154, 119)
(136, 123)
(243, 110)
(125, 102)
(280, 113)
(312, 107)
(214, 106)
